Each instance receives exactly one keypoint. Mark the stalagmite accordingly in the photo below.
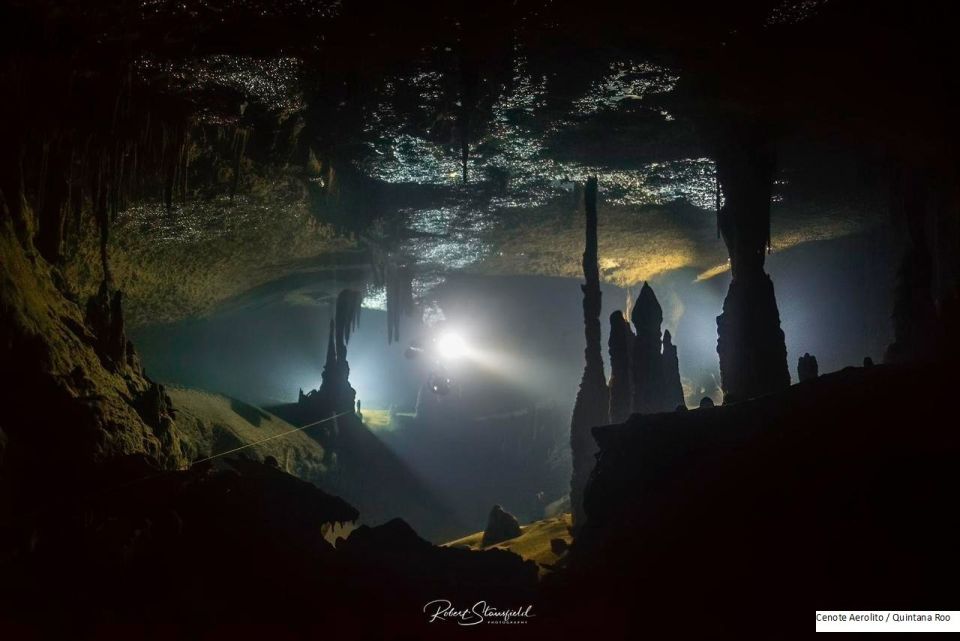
(105, 318)
(654, 369)
(620, 345)
(592, 404)
(672, 388)
(645, 366)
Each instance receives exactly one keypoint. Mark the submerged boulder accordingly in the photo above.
(807, 368)
(501, 526)
(559, 546)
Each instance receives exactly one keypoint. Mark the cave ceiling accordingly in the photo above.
(323, 137)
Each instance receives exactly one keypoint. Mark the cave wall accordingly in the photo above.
(66, 403)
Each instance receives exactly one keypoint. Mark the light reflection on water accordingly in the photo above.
(448, 237)
(457, 236)
(513, 154)
(511, 167)
(375, 298)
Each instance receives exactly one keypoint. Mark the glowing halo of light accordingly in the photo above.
(451, 346)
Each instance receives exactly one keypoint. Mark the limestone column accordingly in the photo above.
(592, 404)
(750, 343)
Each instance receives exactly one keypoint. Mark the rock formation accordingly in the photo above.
(335, 395)
(620, 345)
(592, 405)
(348, 308)
(559, 546)
(645, 365)
(807, 368)
(359, 466)
(501, 526)
(645, 370)
(654, 367)
(335, 386)
(750, 343)
(672, 388)
(399, 287)
(105, 318)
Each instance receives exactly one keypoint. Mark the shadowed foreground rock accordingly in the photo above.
(836, 493)
(241, 546)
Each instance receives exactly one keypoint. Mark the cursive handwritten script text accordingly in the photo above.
(441, 610)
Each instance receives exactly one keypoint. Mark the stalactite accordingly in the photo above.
(103, 220)
(399, 286)
(469, 79)
(347, 316)
(592, 404)
(335, 393)
(240, 146)
(331, 360)
(393, 319)
(51, 204)
(716, 197)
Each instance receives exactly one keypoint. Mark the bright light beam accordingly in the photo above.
(451, 346)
